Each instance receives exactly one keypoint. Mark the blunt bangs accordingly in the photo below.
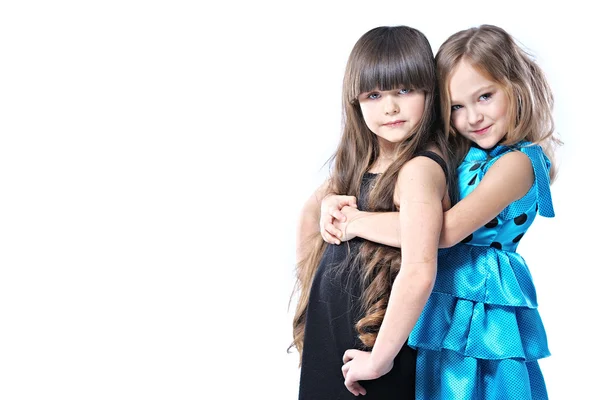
(398, 60)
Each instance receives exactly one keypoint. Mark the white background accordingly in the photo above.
(154, 157)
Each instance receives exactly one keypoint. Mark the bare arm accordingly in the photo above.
(308, 221)
(421, 188)
(420, 191)
(378, 227)
(508, 180)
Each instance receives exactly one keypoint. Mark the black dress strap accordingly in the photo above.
(435, 157)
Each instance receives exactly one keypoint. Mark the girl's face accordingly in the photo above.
(392, 114)
(479, 106)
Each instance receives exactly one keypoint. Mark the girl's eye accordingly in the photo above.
(485, 97)
(404, 91)
(456, 107)
(373, 96)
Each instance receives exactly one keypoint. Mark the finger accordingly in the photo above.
(352, 201)
(324, 220)
(346, 199)
(333, 231)
(360, 388)
(354, 387)
(351, 388)
(345, 369)
(337, 214)
(329, 238)
(348, 355)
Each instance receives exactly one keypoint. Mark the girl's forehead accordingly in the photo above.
(465, 77)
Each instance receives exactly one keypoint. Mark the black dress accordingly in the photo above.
(333, 310)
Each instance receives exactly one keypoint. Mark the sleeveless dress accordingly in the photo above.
(480, 334)
(332, 312)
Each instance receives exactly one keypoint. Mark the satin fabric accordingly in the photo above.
(480, 334)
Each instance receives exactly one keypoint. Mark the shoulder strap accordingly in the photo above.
(541, 169)
(435, 157)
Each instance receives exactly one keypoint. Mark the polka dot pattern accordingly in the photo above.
(492, 224)
(480, 334)
(467, 239)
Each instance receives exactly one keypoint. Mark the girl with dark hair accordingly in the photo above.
(391, 156)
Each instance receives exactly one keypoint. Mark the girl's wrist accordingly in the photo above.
(349, 231)
(354, 226)
(380, 366)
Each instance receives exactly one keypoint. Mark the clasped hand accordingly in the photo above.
(358, 366)
(336, 213)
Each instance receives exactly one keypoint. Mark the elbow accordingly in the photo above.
(422, 277)
(444, 244)
(446, 241)
(423, 286)
(427, 282)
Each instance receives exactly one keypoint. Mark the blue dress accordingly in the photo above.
(480, 334)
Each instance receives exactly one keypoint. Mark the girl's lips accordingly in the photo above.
(482, 131)
(394, 123)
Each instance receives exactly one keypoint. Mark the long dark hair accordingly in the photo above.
(384, 58)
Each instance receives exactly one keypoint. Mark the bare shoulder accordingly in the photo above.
(420, 177)
(515, 157)
(515, 164)
(422, 169)
(421, 165)
(510, 176)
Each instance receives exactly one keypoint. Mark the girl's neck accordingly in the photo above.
(381, 164)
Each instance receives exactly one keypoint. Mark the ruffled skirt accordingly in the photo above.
(480, 334)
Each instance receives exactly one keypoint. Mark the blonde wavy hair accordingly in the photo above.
(496, 55)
